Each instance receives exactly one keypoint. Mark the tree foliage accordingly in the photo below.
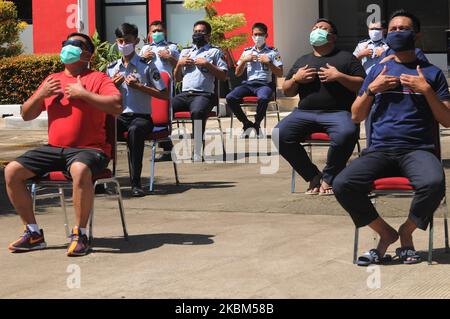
(10, 29)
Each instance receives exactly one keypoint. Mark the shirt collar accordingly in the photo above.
(134, 60)
(265, 47)
(206, 47)
(162, 43)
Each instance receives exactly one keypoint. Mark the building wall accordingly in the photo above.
(254, 11)
(293, 20)
(26, 37)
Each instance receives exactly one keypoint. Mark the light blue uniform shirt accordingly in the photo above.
(200, 79)
(257, 71)
(134, 100)
(162, 65)
(369, 62)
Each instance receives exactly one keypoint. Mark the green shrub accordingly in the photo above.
(20, 76)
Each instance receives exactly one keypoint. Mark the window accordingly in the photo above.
(179, 21)
(351, 17)
(117, 12)
(24, 10)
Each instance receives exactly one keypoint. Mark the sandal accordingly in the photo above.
(373, 257)
(326, 191)
(408, 253)
(317, 181)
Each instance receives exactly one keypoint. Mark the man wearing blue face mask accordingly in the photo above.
(138, 81)
(370, 50)
(403, 100)
(326, 81)
(260, 61)
(165, 55)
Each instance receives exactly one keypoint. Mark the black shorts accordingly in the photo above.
(47, 158)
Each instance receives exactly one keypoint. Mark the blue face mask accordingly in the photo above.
(401, 40)
(318, 37)
(70, 54)
(158, 37)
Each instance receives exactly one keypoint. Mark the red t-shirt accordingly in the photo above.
(75, 123)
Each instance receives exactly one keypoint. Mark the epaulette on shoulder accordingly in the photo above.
(273, 48)
(362, 41)
(248, 48)
(112, 64)
(186, 48)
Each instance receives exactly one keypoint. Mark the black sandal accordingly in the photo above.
(408, 252)
(373, 257)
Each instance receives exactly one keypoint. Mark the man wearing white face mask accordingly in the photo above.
(370, 50)
(137, 81)
(260, 61)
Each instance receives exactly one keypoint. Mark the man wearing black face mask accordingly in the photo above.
(198, 67)
(403, 100)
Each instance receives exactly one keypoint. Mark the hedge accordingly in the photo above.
(20, 76)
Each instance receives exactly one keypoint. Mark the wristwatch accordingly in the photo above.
(369, 92)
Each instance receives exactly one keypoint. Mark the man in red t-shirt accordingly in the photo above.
(77, 101)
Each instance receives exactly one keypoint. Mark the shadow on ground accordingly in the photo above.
(141, 243)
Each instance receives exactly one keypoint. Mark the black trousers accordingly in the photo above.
(138, 126)
(422, 168)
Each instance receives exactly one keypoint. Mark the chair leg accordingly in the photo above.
(278, 111)
(355, 245)
(293, 181)
(152, 167)
(221, 138)
(231, 124)
(447, 248)
(33, 196)
(430, 243)
(63, 206)
(177, 181)
(121, 209)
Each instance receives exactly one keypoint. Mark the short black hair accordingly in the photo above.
(126, 29)
(404, 13)
(333, 26)
(261, 26)
(206, 24)
(89, 43)
(158, 22)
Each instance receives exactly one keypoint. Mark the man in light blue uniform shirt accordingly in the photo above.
(260, 61)
(369, 51)
(163, 53)
(137, 81)
(198, 67)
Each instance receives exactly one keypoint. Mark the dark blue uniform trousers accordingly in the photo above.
(138, 126)
(261, 90)
(422, 168)
(299, 124)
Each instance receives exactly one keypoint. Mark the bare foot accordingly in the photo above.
(387, 239)
(406, 239)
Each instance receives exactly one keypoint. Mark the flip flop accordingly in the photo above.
(373, 257)
(408, 252)
(324, 193)
(311, 191)
(317, 184)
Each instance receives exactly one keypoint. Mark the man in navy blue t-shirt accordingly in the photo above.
(403, 101)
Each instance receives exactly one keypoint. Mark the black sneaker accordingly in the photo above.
(161, 157)
(247, 129)
(137, 191)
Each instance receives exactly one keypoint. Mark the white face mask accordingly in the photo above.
(259, 40)
(126, 49)
(376, 35)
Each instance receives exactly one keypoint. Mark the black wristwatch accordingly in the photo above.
(369, 92)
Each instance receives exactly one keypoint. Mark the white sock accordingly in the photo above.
(34, 228)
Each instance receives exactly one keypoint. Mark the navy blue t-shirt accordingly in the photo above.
(419, 54)
(401, 118)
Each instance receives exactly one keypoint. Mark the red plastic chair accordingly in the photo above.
(252, 102)
(61, 181)
(162, 130)
(398, 186)
(317, 139)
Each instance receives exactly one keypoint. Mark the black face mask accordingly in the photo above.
(199, 39)
(401, 40)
